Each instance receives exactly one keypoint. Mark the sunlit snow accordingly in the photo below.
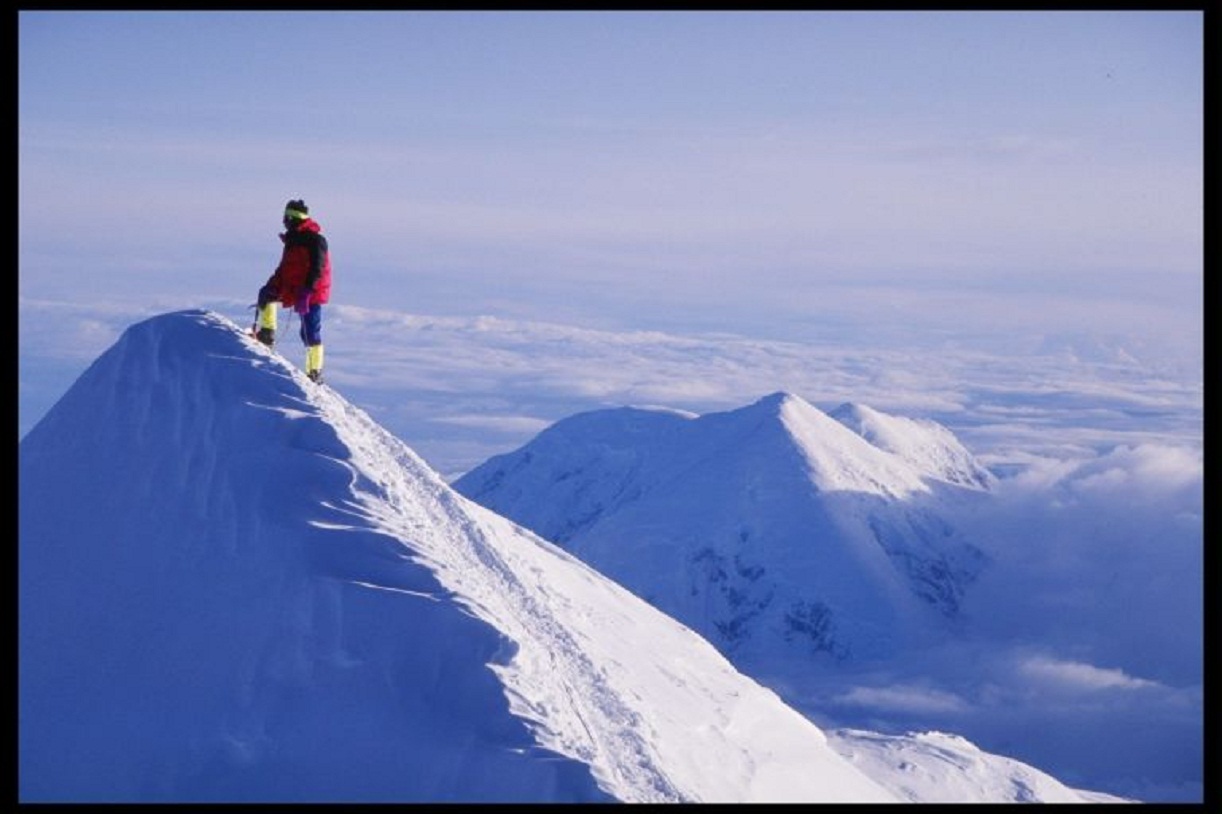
(234, 585)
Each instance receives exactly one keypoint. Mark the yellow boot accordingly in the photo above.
(314, 362)
(267, 324)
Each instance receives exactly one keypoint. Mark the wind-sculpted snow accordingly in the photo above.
(953, 769)
(235, 586)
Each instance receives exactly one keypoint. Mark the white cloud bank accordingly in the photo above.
(1077, 675)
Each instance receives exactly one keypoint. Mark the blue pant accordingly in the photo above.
(311, 325)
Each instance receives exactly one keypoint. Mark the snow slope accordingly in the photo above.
(924, 444)
(937, 767)
(235, 586)
(776, 531)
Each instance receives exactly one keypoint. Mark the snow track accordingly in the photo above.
(478, 561)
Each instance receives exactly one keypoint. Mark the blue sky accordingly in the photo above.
(860, 178)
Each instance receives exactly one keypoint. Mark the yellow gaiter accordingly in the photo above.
(267, 316)
(313, 358)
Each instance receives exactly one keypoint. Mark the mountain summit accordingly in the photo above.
(235, 586)
(777, 531)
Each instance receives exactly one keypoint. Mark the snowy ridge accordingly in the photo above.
(921, 443)
(570, 683)
(769, 528)
(937, 767)
(256, 593)
(331, 609)
(842, 461)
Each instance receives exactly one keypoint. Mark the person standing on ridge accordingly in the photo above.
(302, 282)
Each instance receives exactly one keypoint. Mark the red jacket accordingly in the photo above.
(305, 263)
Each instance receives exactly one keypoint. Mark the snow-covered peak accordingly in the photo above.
(897, 459)
(774, 530)
(923, 444)
(843, 461)
(237, 586)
